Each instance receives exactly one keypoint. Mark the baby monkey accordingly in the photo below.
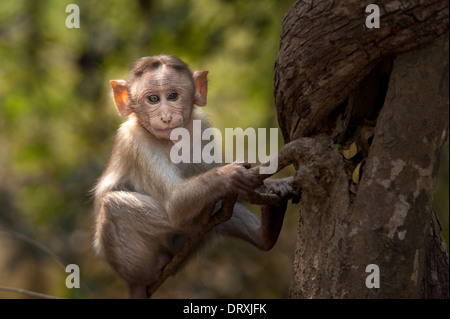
(145, 205)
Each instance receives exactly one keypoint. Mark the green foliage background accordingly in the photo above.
(57, 123)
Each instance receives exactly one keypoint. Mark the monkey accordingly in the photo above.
(145, 205)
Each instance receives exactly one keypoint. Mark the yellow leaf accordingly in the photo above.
(351, 151)
(356, 173)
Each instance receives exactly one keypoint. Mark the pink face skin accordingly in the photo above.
(161, 92)
(163, 100)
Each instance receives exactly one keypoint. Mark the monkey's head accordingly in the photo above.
(161, 91)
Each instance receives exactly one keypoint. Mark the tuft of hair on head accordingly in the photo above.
(152, 63)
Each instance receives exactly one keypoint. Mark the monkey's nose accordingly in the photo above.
(166, 118)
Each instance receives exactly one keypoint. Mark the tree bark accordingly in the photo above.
(326, 50)
(387, 91)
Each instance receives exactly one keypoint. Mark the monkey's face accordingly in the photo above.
(163, 100)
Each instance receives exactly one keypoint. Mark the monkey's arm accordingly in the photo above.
(190, 196)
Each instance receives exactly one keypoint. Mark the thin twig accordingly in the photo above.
(46, 250)
(29, 293)
(34, 243)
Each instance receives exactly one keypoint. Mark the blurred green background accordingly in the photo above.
(57, 123)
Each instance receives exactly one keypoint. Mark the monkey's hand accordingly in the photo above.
(236, 177)
(283, 188)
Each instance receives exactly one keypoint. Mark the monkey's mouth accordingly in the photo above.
(165, 129)
(163, 132)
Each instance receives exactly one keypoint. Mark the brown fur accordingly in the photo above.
(146, 206)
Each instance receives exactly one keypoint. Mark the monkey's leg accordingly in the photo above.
(272, 216)
(133, 233)
(140, 290)
(271, 223)
(246, 225)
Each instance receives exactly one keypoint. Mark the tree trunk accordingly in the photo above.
(384, 91)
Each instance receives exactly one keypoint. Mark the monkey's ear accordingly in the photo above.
(201, 87)
(121, 99)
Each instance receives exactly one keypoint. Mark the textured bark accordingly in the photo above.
(326, 50)
(330, 71)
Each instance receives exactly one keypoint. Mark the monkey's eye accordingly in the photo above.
(172, 96)
(153, 98)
